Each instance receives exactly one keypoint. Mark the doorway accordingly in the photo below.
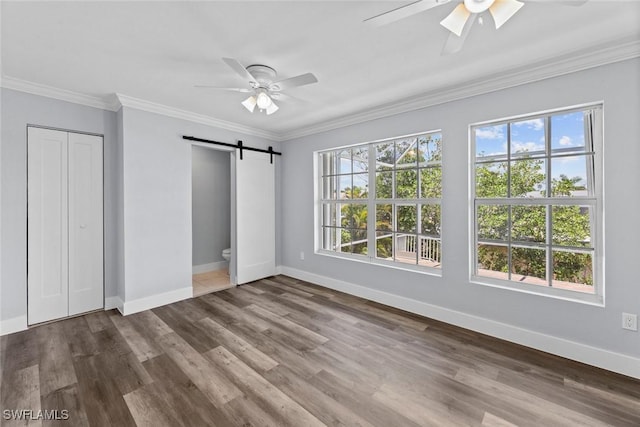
(211, 219)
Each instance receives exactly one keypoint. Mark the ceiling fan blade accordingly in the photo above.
(301, 80)
(456, 20)
(503, 10)
(454, 43)
(403, 12)
(288, 98)
(239, 69)
(232, 89)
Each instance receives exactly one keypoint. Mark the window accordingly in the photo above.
(537, 202)
(380, 201)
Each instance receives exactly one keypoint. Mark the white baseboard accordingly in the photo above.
(147, 303)
(15, 324)
(212, 266)
(605, 359)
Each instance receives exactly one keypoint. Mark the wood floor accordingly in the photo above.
(281, 352)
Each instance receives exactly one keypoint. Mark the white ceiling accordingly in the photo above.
(157, 51)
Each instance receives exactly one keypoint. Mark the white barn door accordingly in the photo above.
(65, 224)
(255, 217)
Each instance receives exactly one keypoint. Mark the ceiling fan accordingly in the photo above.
(262, 85)
(461, 19)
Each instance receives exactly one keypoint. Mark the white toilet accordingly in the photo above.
(226, 254)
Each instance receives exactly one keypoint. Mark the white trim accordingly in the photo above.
(557, 66)
(56, 93)
(15, 324)
(113, 302)
(605, 359)
(152, 107)
(611, 52)
(212, 266)
(153, 301)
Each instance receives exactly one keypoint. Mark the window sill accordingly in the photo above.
(544, 291)
(429, 271)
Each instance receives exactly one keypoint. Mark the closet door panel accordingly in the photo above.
(47, 241)
(86, 290)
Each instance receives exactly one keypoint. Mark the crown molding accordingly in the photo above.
(611, 52)
(39, 89)
(152, 107)
(553, 67)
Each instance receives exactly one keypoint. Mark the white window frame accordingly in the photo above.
(371, 202)
(595, 203)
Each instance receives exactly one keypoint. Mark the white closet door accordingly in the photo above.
(255, 217)
(47, 241)
(85, 223)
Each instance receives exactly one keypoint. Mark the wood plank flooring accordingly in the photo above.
(281, 352)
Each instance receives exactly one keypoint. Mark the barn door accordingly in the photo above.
(255, 217)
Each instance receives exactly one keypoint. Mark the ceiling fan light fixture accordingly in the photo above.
(272, 108)
(250, 103)
(503, 10)
(478, 6)
(263, 100)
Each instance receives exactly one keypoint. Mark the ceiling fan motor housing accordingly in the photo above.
(263, 74)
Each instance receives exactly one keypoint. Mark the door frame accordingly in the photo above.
(31, 125)
(232, 201)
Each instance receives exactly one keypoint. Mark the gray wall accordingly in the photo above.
(157, 200)
(18, 110)
(211, 204)
(617, 85)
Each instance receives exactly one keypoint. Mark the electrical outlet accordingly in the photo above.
(302, 255)
(629, 321)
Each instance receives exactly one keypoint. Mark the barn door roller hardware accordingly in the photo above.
(238, 145)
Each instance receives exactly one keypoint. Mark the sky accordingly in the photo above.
(567, 133)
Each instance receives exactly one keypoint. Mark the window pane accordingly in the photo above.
(329, 187)
(529, 265)
(385, 156)
(406, 221)
(344, 186)
(360, 186)
(406, 151)
(430, 148)
(384, 185)
(328, 163)
(431, 182)
(528, 178)
(407, 184)
(573, 271)
(491, 180)
(361, 159)
(430, 220)
(329, 238)
(430, 253)
(384, 217)
(329, 215)
(492, 222)
(571, 226)
(359, 242)
(354, 216)
(569, 176)
(567, 132)
(493, 261)
(491, 141)
(528, 138)
(343, 240)
(529, 223)
(407, 248)
(384, 245)
(343, 162)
